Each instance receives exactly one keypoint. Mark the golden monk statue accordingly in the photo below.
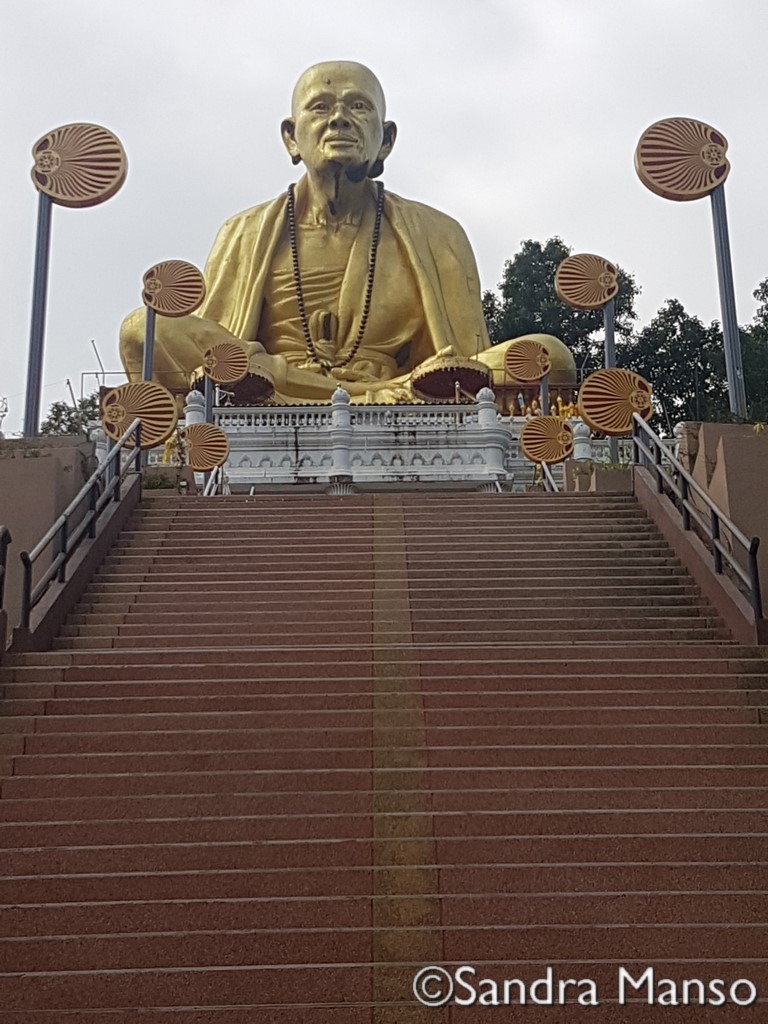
(335, 281)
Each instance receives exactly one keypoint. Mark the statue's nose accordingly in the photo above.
(339, 119)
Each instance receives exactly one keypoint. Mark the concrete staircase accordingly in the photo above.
(289, 751)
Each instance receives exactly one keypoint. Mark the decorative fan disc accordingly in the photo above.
(79, 165)
(207, 447)
(151, 402)
(225, 363)
(681, 159)
(585, 281)
(254, 388)
(436, 380)
(546, 439)
(173, 288)
(527, 361)
(608, 399)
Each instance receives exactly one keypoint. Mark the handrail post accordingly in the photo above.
(116, 460)
(684, 503)
(137, 466)
(717, 553)
(62, 550)
(93, 499)
(754, 576)
(26, 589)
(657, 462)
(5, 540)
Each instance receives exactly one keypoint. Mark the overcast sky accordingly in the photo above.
(517, 117)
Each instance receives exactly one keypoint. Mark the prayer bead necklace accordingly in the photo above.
(368, 289)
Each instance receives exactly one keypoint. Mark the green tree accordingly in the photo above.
(684, 362)
(64, 419)
(754, 347)
(527, 303)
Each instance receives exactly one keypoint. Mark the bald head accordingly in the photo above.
(330, 72)
(337, 121)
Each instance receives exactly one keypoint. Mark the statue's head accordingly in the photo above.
(337, 118)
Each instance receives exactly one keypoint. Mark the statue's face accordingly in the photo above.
(338, 118)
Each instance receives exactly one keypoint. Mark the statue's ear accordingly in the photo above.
(288, 132)
(390, 134)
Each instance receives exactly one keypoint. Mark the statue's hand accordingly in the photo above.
(252, 348)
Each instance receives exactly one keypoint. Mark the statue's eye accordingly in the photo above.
(320, 105)
(359, 105)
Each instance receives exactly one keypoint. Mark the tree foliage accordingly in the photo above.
(684, 362)
(754, 345)
(527, 303)
(63, 418)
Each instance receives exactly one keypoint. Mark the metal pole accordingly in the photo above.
(544, 395)
(609, 323)
(209, 400)
(37, 329)
(737, 398)
(149, 346)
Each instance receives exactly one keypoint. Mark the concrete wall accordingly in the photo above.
(39, 477)
(730, 462)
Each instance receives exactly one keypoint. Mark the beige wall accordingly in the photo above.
(730, 462)
(38, 479)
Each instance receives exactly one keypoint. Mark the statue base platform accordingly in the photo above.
(344, 448)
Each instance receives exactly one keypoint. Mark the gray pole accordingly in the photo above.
(37, 329)
(149, 346)
(208, 400)
(609, 322)
(544, 394)
(737, 398)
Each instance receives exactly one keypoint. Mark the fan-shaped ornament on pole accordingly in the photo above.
(153, 404)
(527, 361)
(546, 439)
(79, 165)
(76, 165)
(586, 281)
(608, 399)
(225, 363)
(207, 447)
(681, 159)
(173, 288)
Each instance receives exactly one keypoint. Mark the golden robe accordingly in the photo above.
(430, 247)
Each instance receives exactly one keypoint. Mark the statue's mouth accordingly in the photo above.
(336, 137)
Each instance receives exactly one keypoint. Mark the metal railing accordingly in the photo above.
(672, 477)
(215, 478)
(5, 540)
(550, 484)
(102, 487)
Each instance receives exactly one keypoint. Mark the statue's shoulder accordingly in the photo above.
(424, 217)
(254, 215)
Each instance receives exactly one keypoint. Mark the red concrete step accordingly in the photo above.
(80, 919)
(349, 711)
(242, 1014)
(343, 825)
(62, 811)
(217, 947)
(237, 984)
(627, 696)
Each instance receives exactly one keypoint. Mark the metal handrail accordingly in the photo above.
(550, 484)
(660, 458)
(212, 484)
(102, 487)
(5, 540)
